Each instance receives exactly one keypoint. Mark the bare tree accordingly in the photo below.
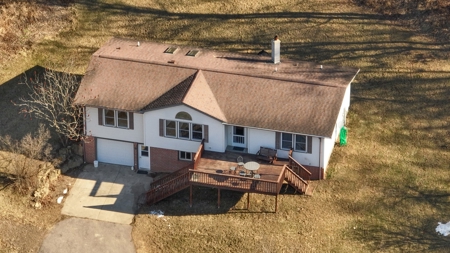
(51, 99)
(21, 161)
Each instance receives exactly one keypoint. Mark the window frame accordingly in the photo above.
(194, 131)
(304, 143)
(128, 119)
(189, 129)
(115, 118)
(182, 155)
(108, 117)
(145, 151)
(184, 130)
(174, 128)
(293, 141)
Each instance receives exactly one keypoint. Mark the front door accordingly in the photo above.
(144, 157)
(238, 136)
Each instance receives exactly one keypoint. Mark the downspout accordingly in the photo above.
(320, 158)
(85, 134)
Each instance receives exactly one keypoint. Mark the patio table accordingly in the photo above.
(251, 166)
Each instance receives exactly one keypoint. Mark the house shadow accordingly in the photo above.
(108, 192)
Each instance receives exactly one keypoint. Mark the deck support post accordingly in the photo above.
(248, 200)
(218, 197)
(276, 203)
(190, 195)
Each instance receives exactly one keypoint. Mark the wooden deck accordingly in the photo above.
(212, 169)
(220, 163)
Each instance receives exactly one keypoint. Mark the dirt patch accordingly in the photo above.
(24, 227)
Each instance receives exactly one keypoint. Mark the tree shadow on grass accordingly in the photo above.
(252, 32)
(414, 236)
(402, 218)
(11, 121)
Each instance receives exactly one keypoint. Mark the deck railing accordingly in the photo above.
(280, 179)
(199, 153)
(169, 185)
(233, 182)
(295, 180)
(171, 176)
(239, 139)
(299, 169)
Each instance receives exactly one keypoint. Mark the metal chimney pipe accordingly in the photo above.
(276, 50)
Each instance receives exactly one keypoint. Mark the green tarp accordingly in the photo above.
(343, 136)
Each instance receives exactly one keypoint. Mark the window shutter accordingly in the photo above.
(131, 119)
(161, 127)
(206, 133)
(100, 116)
(309, 144)
(277, 140)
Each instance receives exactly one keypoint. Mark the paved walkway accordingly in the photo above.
(75, 235)
(107, 196)
(107, 193)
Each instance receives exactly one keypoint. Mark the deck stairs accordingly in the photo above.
(297, 176)
(294, 180)
(168, 185)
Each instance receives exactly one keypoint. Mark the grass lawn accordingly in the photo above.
(386, 191)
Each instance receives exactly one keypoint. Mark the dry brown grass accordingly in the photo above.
(25, 23)
(386, 190)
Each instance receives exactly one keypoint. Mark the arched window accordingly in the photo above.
(183, 115)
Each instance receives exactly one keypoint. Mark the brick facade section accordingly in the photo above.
(165, 160)
(316, 172)
(90, 149)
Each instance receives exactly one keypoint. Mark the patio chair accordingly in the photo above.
(232, 170)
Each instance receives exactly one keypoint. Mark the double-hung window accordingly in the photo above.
(110, 118)
(300, 143)
(197, 132)
(183, 130)
(115, 118)
(295, 141)
(171, 128)
(122, 119)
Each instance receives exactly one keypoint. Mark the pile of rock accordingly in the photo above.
(67, 158)
(70, 157)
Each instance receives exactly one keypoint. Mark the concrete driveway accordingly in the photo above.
(76, 235)
(107, 193)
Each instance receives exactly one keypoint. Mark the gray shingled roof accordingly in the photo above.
(245, 90)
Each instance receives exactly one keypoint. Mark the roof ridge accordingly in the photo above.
(173, 96)
(309, 82)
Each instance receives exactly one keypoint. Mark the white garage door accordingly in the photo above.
(115, 152)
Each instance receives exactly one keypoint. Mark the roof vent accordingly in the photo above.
(276, 50)
(193, 53)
